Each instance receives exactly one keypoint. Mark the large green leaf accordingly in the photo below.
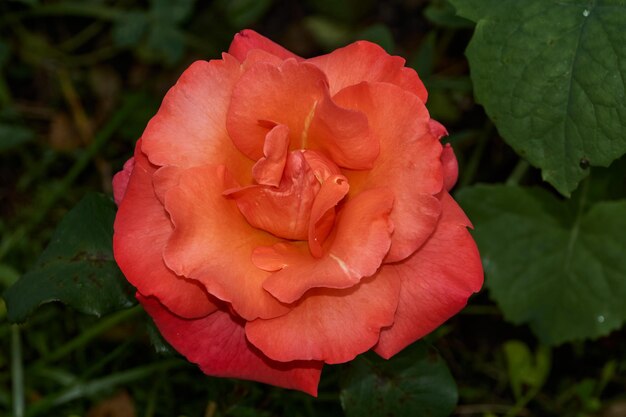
(77, 267)
(552, 76)
(416, 382)
(553, 264)
(12, 136)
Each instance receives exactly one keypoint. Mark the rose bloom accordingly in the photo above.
(281, 213)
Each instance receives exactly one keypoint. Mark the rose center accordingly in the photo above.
(295, 194)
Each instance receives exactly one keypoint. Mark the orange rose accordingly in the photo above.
(282, 213)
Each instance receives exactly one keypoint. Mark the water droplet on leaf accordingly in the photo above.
(600, 319)
(584, 163)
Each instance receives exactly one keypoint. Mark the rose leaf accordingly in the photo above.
(556, 265)
(13, 136)
(77, 268)
(551, 76)
(416, 382)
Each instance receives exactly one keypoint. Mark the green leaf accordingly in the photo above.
(524, 369)
(5, 53)
(129, 28)
(12, 136)
(441, 13)
(416, 382)
(326, 32)
(164, 43)
(77, 268)
(553, 264)
(345, 11)
(242, 13)
(171, 11)
(551, 75)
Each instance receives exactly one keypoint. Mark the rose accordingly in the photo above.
(282, 213)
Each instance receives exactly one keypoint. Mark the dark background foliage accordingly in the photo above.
(78, 82)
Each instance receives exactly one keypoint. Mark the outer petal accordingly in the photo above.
(450, 167)
(366, 61)
(120, 181)
(248, 40)
(408, 164)
(436, 281)
(355, 251)
(142, 228)
(329, 325)
(189, 128)
(213, 243)
(218, 344)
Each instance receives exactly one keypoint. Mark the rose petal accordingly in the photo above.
(296, 95)
(267, 95)
(436, 281)
(322, 218)
(343, 134)
(213, 243)
(355, 251)
(450, 167)
(218, 344)
(408, 164)
(248, 40)
(366, 61)
(284, 210)
(120, 181)
(437, 129)
(258, 55)
(329, 325)
(142, 228)
(200, 98)
(269, 169)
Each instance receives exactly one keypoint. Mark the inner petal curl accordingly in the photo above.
(295, 192)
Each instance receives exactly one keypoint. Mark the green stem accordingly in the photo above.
(82, 37)
(94, 57)
(582, 202)
(518, 172)
(85, 337)
(152, 399)
(6, 100)
(17, 372)
(89, 388)
(469, 173)
(99, 141)
(79, 9)
(521, 403)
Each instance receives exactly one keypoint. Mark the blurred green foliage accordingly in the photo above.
(68, 71)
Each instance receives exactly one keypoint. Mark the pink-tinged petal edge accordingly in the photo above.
(120, 180)
(217, 343)
(450, 167)
(141, 230)
(248, 40)
(436, 281)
